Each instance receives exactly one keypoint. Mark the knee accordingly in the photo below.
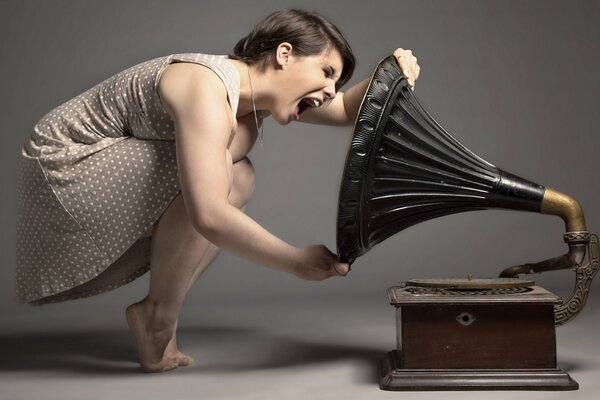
(243, 182)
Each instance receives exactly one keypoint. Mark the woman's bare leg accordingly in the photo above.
(179, 254)
(175, 254)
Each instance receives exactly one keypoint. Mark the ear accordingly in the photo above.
(283, 54)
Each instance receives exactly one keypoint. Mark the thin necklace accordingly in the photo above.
(258, 129)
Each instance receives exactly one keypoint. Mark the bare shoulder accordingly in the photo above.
(184, 86)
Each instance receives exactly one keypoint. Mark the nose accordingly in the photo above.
(330, 91)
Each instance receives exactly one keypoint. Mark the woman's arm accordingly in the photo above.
(197, 101)
(342, 110)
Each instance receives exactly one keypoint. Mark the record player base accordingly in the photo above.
(392, 377)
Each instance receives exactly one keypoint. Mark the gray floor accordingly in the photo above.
(252, 349)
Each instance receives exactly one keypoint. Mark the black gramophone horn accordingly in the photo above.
(404, 168)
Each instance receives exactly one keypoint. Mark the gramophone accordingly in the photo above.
(403, 168)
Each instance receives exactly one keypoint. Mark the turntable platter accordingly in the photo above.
(471, 283)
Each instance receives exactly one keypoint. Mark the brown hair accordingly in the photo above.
(307, 32)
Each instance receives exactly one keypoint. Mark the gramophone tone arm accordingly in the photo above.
(584, 274)
(569, 209)
(572, 259)
(580, 242)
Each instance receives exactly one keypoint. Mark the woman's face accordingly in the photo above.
(304, 82)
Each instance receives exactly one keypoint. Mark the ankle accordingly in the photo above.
(159, 315)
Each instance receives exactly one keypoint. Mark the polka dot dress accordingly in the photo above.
(96, 173)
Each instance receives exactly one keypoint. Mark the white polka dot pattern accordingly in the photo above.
(96, 173)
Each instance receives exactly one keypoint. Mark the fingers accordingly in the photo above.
(341, 269)
(408, 63)
(337, 268)
(321, 264)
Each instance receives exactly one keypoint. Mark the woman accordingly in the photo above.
(148, 169)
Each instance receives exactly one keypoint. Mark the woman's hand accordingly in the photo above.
(408, 63)
(318, 263)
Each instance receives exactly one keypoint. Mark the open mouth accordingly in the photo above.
(305, 104)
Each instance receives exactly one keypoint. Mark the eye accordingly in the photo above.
(328, 72)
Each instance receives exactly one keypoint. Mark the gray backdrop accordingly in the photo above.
(515, 81)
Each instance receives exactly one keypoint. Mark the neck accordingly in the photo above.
(250, 86)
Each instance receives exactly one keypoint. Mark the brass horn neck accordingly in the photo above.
(564, 206)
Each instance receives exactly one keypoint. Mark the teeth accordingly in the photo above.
(313, 102)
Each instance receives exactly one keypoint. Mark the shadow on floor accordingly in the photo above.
(216, 350)
(76, 352)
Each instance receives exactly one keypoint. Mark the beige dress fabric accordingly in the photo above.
(96, 173)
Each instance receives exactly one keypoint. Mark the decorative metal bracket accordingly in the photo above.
(579, 243)
(569, 309)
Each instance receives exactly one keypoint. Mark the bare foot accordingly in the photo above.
(151, 342)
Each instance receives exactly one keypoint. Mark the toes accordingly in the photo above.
(183, 360)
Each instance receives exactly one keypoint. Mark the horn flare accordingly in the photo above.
(403, 168)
